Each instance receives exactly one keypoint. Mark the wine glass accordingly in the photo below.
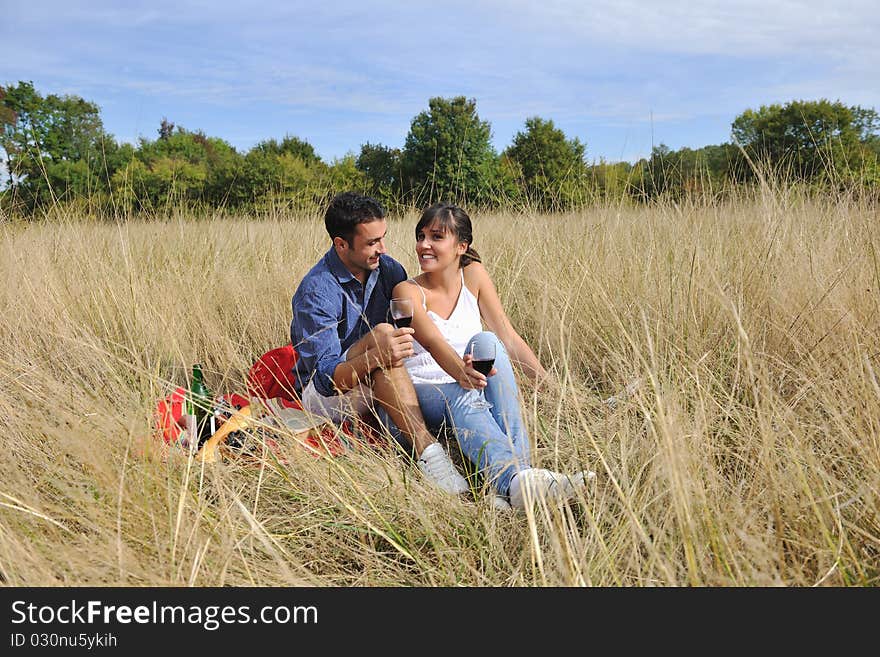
(401, 312)
(483, 354)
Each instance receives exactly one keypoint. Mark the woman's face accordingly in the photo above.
(438, 247)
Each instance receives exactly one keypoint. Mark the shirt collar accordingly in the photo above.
(340, 271)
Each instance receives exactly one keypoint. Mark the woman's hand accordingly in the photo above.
(470, 378)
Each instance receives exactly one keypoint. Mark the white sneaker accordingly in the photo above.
(439, 470)
(500, 503)
(537, 483)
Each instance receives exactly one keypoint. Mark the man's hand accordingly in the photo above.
(392, 346)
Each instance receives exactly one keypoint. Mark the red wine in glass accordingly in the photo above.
(484, 366)
(401, 312)
(482, 353)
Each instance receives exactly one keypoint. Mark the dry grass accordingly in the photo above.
(750, 456)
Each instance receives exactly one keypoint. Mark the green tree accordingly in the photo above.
(261, 174)
(166, 129)
(290, 145)
(553, 167)
(343, 174)
(224, 165)
(704, 172)
(382, 167)
(273, 177)
(448, 154)
(508, 189)
(180, 166)
(7, 116)
(614, 181)
(53, 146)
(807, 138)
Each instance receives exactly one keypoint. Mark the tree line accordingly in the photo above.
(55, 150)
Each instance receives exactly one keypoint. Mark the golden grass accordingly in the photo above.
(749, 456)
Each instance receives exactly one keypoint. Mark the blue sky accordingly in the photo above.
(618, 74)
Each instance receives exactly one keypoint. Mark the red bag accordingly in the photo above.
(169, 410)
(272, 377)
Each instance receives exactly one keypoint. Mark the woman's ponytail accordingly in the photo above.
(470, 256)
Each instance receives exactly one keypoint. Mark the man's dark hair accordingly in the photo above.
(349, 209)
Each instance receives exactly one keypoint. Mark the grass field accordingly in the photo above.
(749, 456)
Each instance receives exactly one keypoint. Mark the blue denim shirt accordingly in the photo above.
(332, 311)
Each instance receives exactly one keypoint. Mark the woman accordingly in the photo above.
(450, 298)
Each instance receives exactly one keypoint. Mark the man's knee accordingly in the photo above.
(382, 329)
(379, 335)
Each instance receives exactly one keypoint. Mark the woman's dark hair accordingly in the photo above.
(349, 209)
(456, 220)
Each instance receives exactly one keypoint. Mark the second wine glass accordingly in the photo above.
(401, 312)
(483, 354)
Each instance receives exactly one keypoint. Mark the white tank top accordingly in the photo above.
(462, 325)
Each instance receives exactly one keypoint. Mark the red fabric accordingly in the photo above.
(362, 434)
(169, 410)
(271, 377)
(327, 443)
(236, 400)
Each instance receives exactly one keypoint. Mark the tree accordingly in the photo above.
(448, 154)
(613, 181)
(7, 116)
(382, 167)
(225, 166)
(290, 145)
(807, 137)
(704, 172)
(343, 174)
(181, 166)
(508, 188)
(553, 166)
(166, 129)
(53, 145)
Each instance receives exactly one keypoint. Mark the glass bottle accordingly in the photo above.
(199, 403)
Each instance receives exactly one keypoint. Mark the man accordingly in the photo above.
(348, 354)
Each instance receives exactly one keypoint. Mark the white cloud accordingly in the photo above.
(748, 28)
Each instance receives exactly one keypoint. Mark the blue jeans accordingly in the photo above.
(495, 439)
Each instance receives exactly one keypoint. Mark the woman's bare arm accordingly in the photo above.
(476, 277)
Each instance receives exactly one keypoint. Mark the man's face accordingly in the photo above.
(367, 244)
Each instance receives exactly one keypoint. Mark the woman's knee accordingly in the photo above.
(486, 337)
